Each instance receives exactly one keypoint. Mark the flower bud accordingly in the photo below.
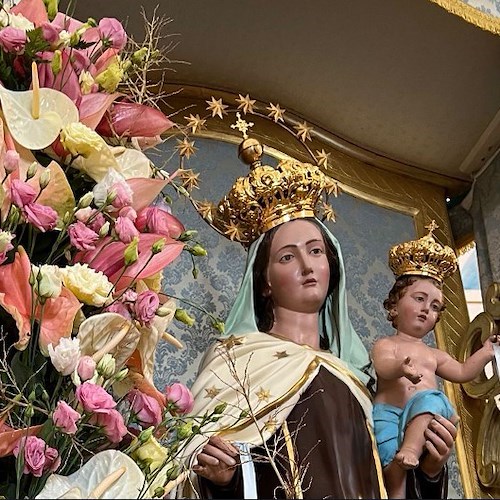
(86, 368)
(106, 366)
(158, 246)
(121, 374)
(184, 317)
(74, 39)
(104, 231)
(110, 198)
(163, 311)
(131, 253)
(194, 272)
(67, 218)
(86, 200)
(32, 169)
(29, 411)
(32, 396)
(52, 8)
(159, 492)
(44, 179)
(188, 235)
(56, 62)
(32, 277)
(14, 216)
(219, 326)
(139, 55)
(146, 434)
(220, 408)
(197, 251)
(185, 430)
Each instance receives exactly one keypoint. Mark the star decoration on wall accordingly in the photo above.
(328, 212)
(186, 148)
(232, 341)
(303, 131)
(242, 125)
(276, 113)
(216, 107)
(190, 180)
(245, 103)
(205, 209)
(281, 354)
(212, 392)
(233, 231)
(195, 123)
(331, 187)
(263, 394)
(322, 158)
(271, 425)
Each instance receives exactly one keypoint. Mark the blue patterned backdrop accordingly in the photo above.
(365, 231)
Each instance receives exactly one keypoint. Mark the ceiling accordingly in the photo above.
(403, 79)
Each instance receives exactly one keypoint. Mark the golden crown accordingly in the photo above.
(267, 196)
(423, 257)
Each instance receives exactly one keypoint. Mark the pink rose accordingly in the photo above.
(21, 193)
(86, 368)
(38, 457)
(81, 236)
(13, 40)
(125, 229)
(180, 397)
(112, 33)
(119, 308)
(158, 221)
(50, 32)
(65, 418)
(42, 217)
(93, 397)
(123, 194)
(129, 296)
(146, 409)
(145, 307)
(129, 213)
(11, 162)
(112, 423)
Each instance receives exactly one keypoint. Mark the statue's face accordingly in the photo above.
(298, 273)
(417, 311)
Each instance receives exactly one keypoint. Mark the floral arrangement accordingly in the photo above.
(85, 234)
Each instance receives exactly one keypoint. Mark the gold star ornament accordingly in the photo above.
(275, 112)
(190, 180)
(232, 341)
(205, 209)
(303, 131)
(195, 123)
(245, 103)
(233, 231)
(186, 148)
(322, 158)
(280, 354)
(212, 392)
(328, 212)
(216, 107)
(270, 425)
(263, 394)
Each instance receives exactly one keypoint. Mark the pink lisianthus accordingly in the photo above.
(50, 32)
(129, 213)
(147, 410)
(86, 368)
(112, 423)
(91, 218)
(123, 194)
(13, 40)
(21, 193)
(11, 161)
(119, 308)
(180, 397)
(125, 229)
(93, 397)
(112, 33)
(65, 418)
(42, 217)
(158, 221)
(145, 307)
(81, 236)
(38, 457)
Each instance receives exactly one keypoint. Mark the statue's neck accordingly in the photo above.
(298, 327)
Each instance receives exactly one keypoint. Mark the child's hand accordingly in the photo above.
(488, 344)
(410, 372)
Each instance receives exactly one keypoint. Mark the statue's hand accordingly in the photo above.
(410, 372)
(217, 461)
(440, 434)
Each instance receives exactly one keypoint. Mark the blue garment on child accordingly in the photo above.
(390, 421)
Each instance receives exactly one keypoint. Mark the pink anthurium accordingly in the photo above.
(10, 437)
(129, 119)
(33, 10)
(93, 106)
(145, 191)
(57, 315)
(108, 257)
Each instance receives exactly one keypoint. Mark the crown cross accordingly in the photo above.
(242, 125)
(432, 226)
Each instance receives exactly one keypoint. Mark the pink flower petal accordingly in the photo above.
(93, 106)
(145, 191)
(33, 10)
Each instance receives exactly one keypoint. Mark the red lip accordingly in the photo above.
(423, 317)
(310, 281)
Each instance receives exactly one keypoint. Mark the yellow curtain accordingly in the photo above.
(472, 14)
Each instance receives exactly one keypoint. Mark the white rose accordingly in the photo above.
(79, 139)
(89, 286)
(66, 355)
(48, 281)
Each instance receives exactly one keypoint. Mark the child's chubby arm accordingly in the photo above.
(452, 370)
(390, 365)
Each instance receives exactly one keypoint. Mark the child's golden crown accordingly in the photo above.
(423, 257)
(268, 196)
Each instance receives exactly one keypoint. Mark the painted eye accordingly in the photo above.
(286, 258)
(418, 298)
(317, 251)
(436, 307)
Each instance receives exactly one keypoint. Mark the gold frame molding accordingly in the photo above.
(391, 185)
(471, 14)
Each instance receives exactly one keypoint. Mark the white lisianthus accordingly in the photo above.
(66, 355)
(5, 239)
(86, 82)
(89, 286)
(48, 281)
(15, 20)
(79, 139)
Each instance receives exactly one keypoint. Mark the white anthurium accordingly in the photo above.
(35, 117)
(108, 333)
(134, 164)
(108, 474)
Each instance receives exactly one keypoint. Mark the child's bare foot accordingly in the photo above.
(407, 458)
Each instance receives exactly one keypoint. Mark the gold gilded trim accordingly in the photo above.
(471, 14)
(378, 463)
